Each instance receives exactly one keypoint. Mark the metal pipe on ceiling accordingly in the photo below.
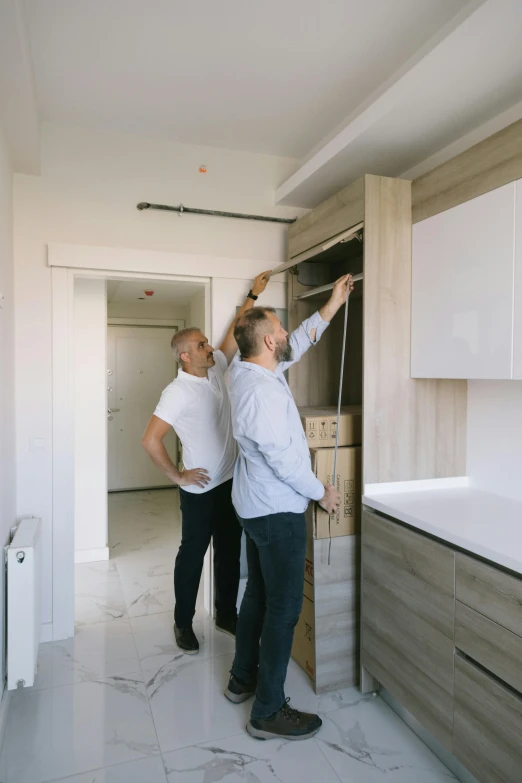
(181, 210)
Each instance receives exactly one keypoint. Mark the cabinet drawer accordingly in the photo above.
(487, 725)
(490, 591)
(491, 645)
(408, 620)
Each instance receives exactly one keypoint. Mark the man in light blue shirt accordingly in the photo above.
(273, 484)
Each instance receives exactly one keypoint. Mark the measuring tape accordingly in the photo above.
(336, 447)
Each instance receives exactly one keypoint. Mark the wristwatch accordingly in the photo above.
(250, 295)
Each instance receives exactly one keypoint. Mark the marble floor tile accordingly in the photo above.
(148, 564)
(126, 543)
(99, 650)
(102, 571)
(99, 602)
(154, 637)
(75, 728)
(129, 516)
(299, 689)
(242, 758)
(148, 595)
(188, 704)
(107, 703)
(366, 742)
(149, 770)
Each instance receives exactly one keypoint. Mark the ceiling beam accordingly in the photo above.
(401, 89)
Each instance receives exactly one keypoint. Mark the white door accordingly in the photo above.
(140, 366)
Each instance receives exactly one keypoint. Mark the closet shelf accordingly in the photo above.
(324, 288)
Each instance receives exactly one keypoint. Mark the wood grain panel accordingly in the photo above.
(338, 213)
(488, 726)
(300, 374)
(490, 591)
(413, 429)
(337, 598)
(495, 648)
(408, 620)
(488, 165)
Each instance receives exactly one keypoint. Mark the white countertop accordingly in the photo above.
(482, 523)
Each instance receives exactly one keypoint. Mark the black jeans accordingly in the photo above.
(205, 516)
(276, 547)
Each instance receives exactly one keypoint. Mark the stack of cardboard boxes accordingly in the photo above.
(320, 426)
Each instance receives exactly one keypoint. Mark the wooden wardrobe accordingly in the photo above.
(412, 429)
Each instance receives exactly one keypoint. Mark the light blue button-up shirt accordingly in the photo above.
(273, 471)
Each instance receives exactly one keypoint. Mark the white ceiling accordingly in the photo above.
(273, 77)
(176, 294)
(344, 87)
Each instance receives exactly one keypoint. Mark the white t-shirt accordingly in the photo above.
(198, 409)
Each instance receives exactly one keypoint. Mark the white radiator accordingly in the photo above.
(24, 596)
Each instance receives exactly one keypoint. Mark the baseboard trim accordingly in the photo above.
(91, 555)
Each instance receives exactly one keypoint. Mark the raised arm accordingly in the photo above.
(229, 345)
(340, 293)
(310, 331)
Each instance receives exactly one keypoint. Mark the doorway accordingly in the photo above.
(69, 263)
(127, 521)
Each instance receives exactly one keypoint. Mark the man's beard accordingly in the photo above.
(283, 351)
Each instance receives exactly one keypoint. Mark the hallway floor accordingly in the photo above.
(120, 703)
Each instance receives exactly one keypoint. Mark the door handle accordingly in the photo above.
(113, 410)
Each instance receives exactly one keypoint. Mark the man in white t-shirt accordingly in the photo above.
(196, 405)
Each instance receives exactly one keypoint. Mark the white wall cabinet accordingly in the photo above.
(463, 290)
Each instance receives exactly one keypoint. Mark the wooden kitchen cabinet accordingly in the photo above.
(462, 290)
(489, 644)
(408, 620)
(488, 725)
(490, 591)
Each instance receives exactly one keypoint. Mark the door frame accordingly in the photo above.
(62, 282)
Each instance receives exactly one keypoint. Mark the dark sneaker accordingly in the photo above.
(287, 724)
(186, 640)
(239, 692)
(227, 626)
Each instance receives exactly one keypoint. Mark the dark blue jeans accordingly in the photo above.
(276, 547)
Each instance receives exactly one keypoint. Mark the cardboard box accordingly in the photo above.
(303, 647)
(320, 425)
(348, 482)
